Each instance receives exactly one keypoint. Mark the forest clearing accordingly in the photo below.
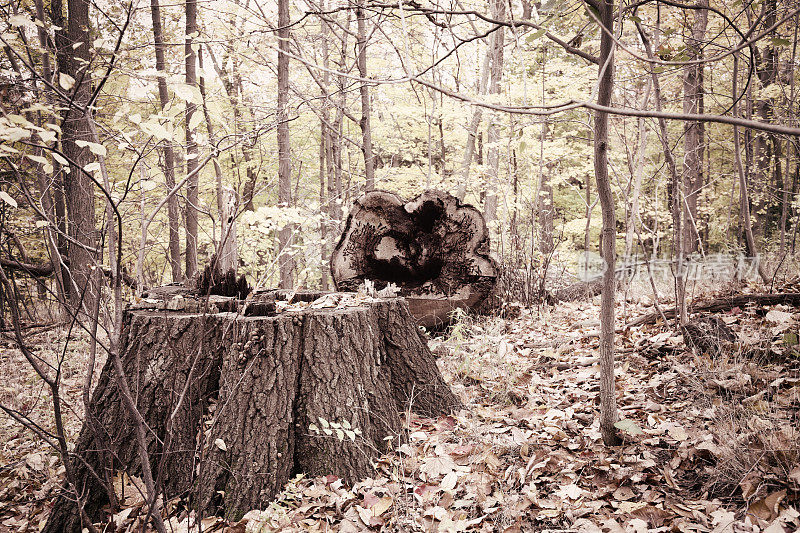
(440, 265)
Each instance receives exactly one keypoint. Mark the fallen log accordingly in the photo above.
(434, 248)
(582, 290)
(314, 388)
(725, 303)
(32, 269)
(44, 270)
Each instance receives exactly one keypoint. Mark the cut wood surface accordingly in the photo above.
(434, 248)
(725, 303)
(315, 388)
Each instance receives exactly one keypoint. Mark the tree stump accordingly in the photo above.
(434, 248)
(261, 391)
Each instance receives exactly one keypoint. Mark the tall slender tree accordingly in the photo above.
(285, 262)
(74, 61)
(192, 197)
(493, 131)
(166, 146)
(366, 128)
(694, 131)
(608, 399)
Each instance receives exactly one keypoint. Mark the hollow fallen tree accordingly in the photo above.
(240, 396)
(434, 248)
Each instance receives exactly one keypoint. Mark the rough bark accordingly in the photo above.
(269, 376)
(74, 60)
(157, 354)
(434, 248)
(166, 146)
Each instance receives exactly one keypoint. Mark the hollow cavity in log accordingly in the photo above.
(434, 248)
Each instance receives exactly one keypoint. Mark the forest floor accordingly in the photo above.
(712, 444)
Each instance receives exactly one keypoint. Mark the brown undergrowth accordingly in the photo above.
(711, 443)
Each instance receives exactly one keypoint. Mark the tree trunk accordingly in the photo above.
(638, 171)
(693, 131)
(545, 196)
(325, 155)
(608, 398)
(285, 262)
(261, 390)
(73, 58)
(790, 144)
(744, 197)
(472, 132)
(433, 247)
(766, 70)
(366, 131)
(674, 188)
(166, 146)
(192, 197)
(227, 199)
(493, 131)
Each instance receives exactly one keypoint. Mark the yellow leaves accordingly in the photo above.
(21, 21)
(47, 167)
(47, 136)
(152, 127)
(196, 120)
(66, 81)
(188, 93)
(10, 130)
(4, 196)
(95, 148)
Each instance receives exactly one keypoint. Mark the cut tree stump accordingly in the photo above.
(434, 248)
(316, 388)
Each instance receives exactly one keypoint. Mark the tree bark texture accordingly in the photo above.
(251, 384)
(434, 248)
(166, 146)
(694, 134)
(493, 131)
(285, 262)
(366, 130)
(192, 186)
(608, 399)
(74, 60)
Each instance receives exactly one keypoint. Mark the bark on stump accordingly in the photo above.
(268, 378)
(434, 248)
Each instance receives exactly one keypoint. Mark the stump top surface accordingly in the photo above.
(265, 305)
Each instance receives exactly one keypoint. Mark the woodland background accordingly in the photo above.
(138, 140)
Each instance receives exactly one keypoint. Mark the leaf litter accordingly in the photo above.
(711, 444)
